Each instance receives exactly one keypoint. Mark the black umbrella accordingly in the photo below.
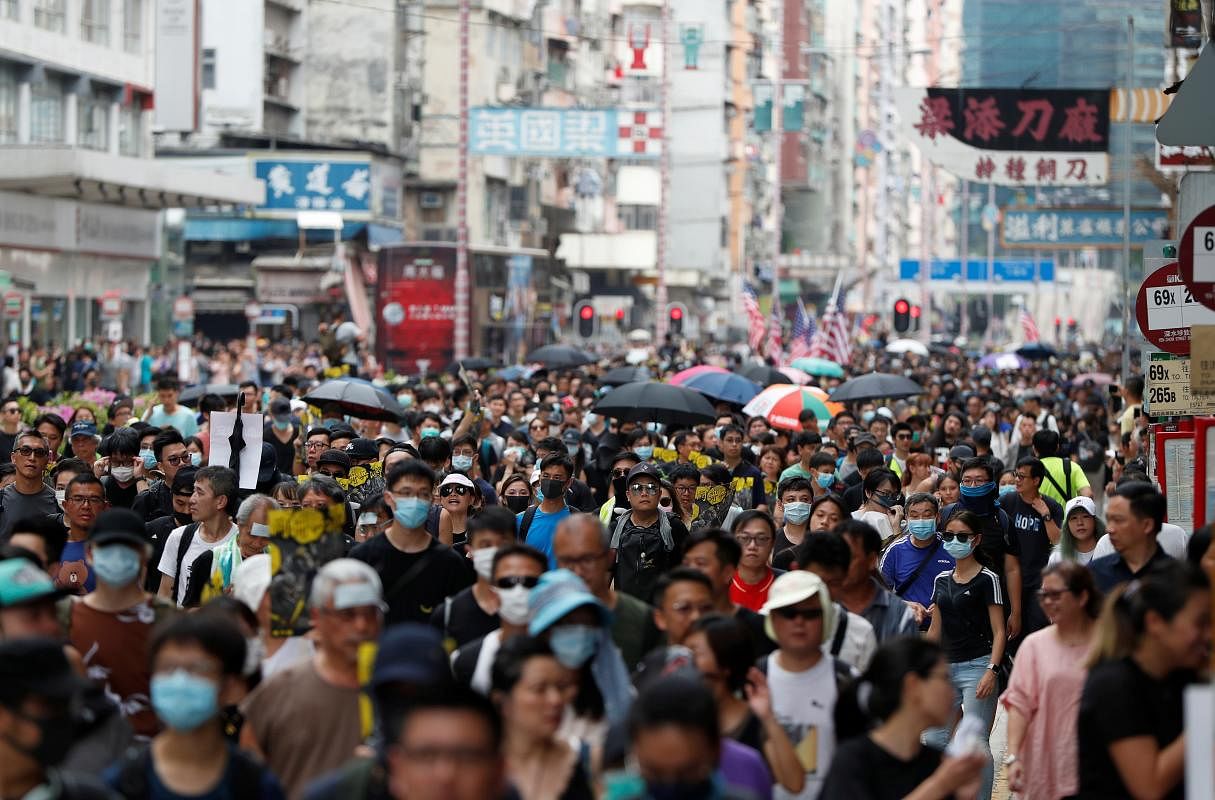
(1037, 351)
(192, 394)
(655, 402)
(762, 374)
(358, 399)
(876, 385)
(237, 440)
(559, 355)
(475, 364)
(622, 375)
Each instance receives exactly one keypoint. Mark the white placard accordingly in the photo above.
(222, 425)
(1204, 255)
(1179, 466)
(1199, 742)
(1175, 307)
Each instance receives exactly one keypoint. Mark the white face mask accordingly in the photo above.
(513, 610)
(483, 561)
(122, 474)
(60, 496)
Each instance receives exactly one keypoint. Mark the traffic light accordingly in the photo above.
(675, 316)
(915, 317)
(585, 314)
(902, 315)
(620, 317)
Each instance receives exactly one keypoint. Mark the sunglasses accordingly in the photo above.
(644, 488)
(448, 491)
(511, 581)
(174, 461)
(36, 452)
(789, 612)
(949, 536)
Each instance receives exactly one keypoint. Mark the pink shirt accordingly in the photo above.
(1045, 687)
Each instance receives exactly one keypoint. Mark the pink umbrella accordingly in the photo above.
(796, 375)
(691, 372)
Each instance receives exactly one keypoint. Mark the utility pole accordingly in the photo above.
(462, 287)
(964, 246)
(778, 133)
(664, 212)
(1128, 128)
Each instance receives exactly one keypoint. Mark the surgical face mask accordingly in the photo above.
(255, 652)
(282, 424)
(429, 432)
(148, 457)
(60, 496)
(411, 512)
(122, 474)
(483, 561)
(195, 459)
(645, 453)
(183, 701)
(868, 416)
(797, 513)
(519, 452)
(717, 431)
(825, 479)
(517, 503)
(922, 529)
(461, 463)
(116, 565)
(260, 530)
(592, 419)
(572, 449)
(513, 604)
(539, 495)
(1007, 488)
(432, 408)
(959, 550)
(574, 645)
(405, 399)
(551, 488)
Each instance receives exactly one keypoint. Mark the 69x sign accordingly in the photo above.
(1166, 309)
(1196, 256)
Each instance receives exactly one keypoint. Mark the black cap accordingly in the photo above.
(571, 436)
(183, 481)
(362, 448)
(961, 452)
(343, 429)
(36, 667)
(118, 525)
(280, 407)
(981, 434)
(332, 456)
(411, 653)
(644, 468)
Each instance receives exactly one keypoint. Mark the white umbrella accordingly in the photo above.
(640, 335)
(907, 346)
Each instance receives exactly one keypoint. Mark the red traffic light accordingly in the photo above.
(676, 313)
(901, 307)
(915, 312)
(619, 314)
(586, 312)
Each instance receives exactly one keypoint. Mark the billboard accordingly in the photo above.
(415, 307)
(177, 79)
(1049, 228)
(310, 184)
(565, 132)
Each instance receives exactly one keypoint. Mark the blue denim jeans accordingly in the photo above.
(966, 676)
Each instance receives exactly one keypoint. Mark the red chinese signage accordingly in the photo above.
(415, 307)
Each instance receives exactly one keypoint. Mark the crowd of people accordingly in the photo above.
(531, 600)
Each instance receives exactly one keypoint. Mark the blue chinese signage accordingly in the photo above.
(1002, 270)
(565, 132)
(315, 185)
(1048, 228)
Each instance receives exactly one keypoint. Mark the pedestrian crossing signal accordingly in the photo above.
(585, 313)
(902, 315)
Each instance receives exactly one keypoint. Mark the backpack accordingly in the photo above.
(243, 776)
(183, 547)
(845, 673)
(643, 555)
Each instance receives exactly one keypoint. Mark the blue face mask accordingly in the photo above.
(195, 459)
(148, 457)
(282, 424)
(922, 529)
(644, 453)
(461, 463)
(959, 550)
(982, 490)
(429, 432)
(183, 701)
(868, 416)
(797, 513)
(825, 479)
(1007, 488)
(573, 645)
(978, 499)
(116, 565)
(405, 400)
(411, 512)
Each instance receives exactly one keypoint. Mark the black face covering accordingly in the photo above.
(56, 735)
(552, 489)
(517, 503)
(183, 519)
(621, 487)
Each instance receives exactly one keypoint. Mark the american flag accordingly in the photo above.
(776, 345)
(832, 340)
(802, 333)
(755, 318)
(1029, 329)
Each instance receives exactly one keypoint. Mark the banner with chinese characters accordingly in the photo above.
(565, 132)
(1012, 137)
(1050, 228)
(311, 184)
(415, 307)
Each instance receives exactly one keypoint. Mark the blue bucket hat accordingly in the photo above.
(558, 593)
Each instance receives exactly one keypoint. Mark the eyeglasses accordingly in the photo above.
(511, 581)
(86, 500)
(174, 461)
(791, 612)
(644, 488)
(13, 410)
(972, 482)
(37, 452)
(949, 536)
(902, 436)
(1017, 476)
(1051, 594)
(620, 473)
(447, 491)
(687, 608)
(758, 541)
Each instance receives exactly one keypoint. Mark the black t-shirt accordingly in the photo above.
(7, 440)
(965, 624)
(158, 531)
(642, 557)
(863, 770)
(1121, 701)
(284, 453)
(443, 574)
(117, 496)
(1030, 532)
(853, 497)
(461, 618)
(749, 485)
(155, 501)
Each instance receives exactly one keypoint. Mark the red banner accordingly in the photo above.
(415, 307)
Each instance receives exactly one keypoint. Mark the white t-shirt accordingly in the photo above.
(198, 546)
(879, 520)
(803, 703)
(1172, 540)
(1081, 558)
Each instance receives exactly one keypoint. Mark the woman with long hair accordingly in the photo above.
(881, 508)
(1079, 533)
(1153, 635)
(1044, 691)
(879, 722)
(918, 470)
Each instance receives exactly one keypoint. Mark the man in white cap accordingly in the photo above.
(803, 679)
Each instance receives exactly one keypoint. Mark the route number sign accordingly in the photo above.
(1196, 257)
(1166, 309)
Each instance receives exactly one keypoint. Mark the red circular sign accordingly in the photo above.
(1161, 309)
(1196, 255)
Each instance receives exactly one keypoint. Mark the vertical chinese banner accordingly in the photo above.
(415, 308)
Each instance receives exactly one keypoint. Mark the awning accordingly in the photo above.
(243, 229)
(80, 174)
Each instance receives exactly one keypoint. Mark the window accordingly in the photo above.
(129, 132)
(8, 105)
(132, 25)
(93, 115)
(10, 9)
(95, 21)
(50, 14)
(638, 218)
(208, 68)
(46, 111)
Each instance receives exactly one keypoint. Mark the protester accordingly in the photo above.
(1079, 533)
(646, 541)
(756, 535)
(1133, 517)
(211, 507)
(862, 592)
(473, 612)
(28, 495)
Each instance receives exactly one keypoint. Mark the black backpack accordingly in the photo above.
(642, 555)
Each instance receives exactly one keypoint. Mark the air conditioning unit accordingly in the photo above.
(431, 200)
(506, 89)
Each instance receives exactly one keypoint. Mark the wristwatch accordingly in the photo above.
(1046, 518)
(994, 667)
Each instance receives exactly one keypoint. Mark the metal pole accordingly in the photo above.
(778, 134)
(1127, 130)
(991, 269)
(964, 247)
(664, 211)
(926, 192)
(462, 288)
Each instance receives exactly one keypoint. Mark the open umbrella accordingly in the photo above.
(1037, 351)
(724, 386)
(655, 402)
(782, 403)
(762, 374)
(474, 364)
(907, 346)
(876, 385)
(681, 377)
(622, 375)
(822, 394)
(192, 394)
(1098, 379)
(1002, 361)
(818, 366)
(358, 399)
(795, 375)
(513, 372)
(559, 355)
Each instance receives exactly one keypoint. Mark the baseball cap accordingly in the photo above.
(362, 448)
(864, 438)
(118, 525)
(792, 588)
(961, 452)
(280, 407)
(251, 579)
(21, 582)
(981, 434)
(83, 429)
(343, 429)
(36, 666)
(644, 468)
(571, 436)
(183, 481)
(456, 479)
(332, 456)
(411, 653)
(558, 593)
(1085, 503)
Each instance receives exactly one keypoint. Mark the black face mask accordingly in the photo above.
(552, 489)
(621, 487)
(184, 519)
(56, 736)
(517, 503)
